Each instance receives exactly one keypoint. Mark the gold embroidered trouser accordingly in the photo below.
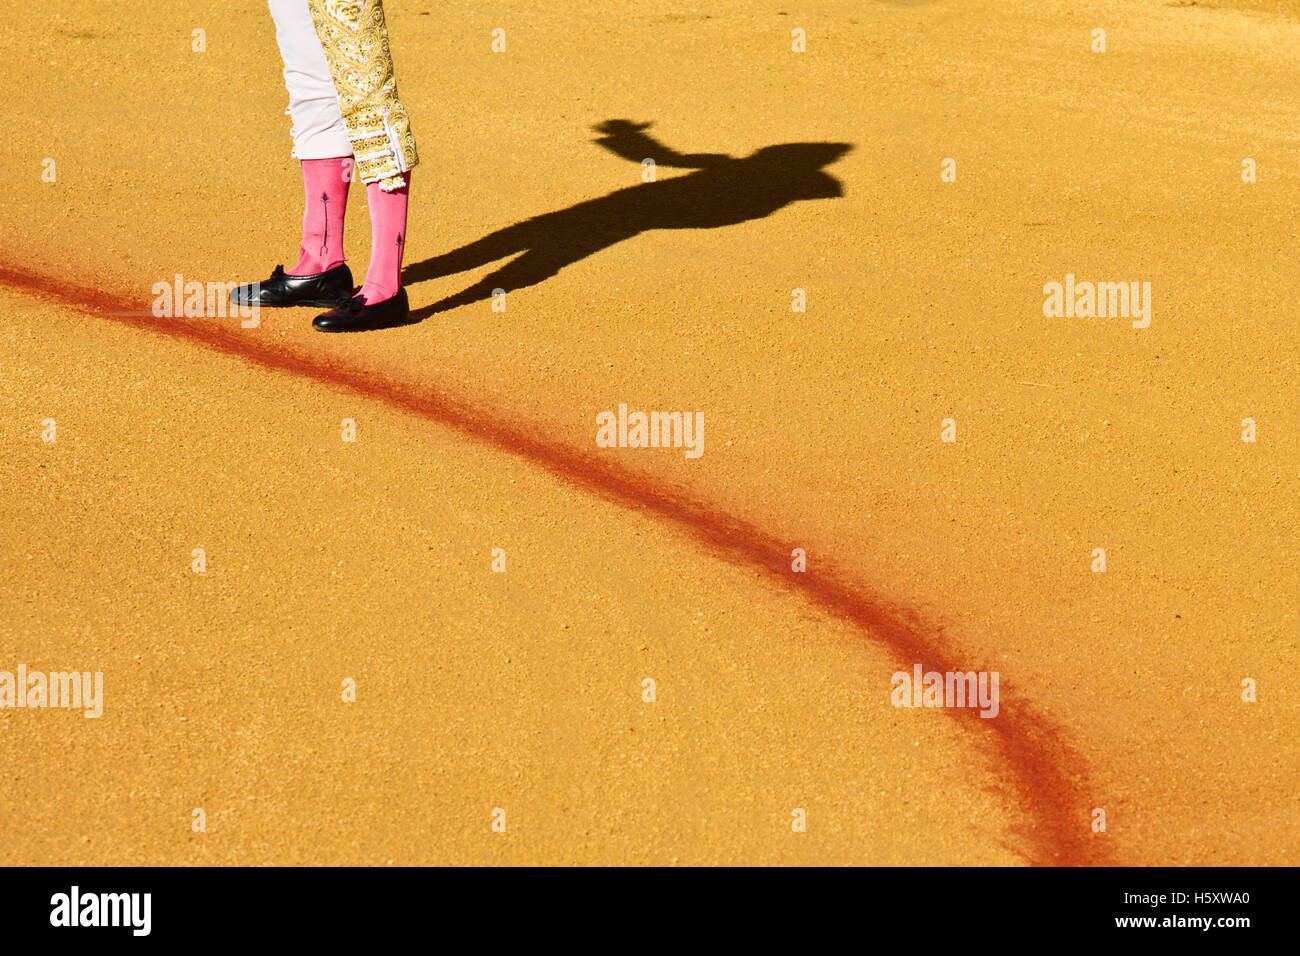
(354, 36)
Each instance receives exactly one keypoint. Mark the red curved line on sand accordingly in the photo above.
(1029, 747)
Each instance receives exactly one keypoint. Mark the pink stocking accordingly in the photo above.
(388, 241)
(326, 184)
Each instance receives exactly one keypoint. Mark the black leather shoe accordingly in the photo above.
(283, 291)
(357, 315)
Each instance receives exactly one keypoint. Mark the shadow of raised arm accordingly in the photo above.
(629, 140)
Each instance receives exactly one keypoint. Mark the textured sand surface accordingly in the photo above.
(522, 690)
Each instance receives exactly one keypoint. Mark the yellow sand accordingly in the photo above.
(523, 690)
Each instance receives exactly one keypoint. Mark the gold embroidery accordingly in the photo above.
(355, 37)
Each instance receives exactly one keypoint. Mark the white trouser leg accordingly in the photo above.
(318, 130)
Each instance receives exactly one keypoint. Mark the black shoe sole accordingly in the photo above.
(395, 324)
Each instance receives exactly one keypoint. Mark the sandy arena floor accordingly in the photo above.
(522, 691)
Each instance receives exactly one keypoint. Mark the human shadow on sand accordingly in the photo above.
(724, 191)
